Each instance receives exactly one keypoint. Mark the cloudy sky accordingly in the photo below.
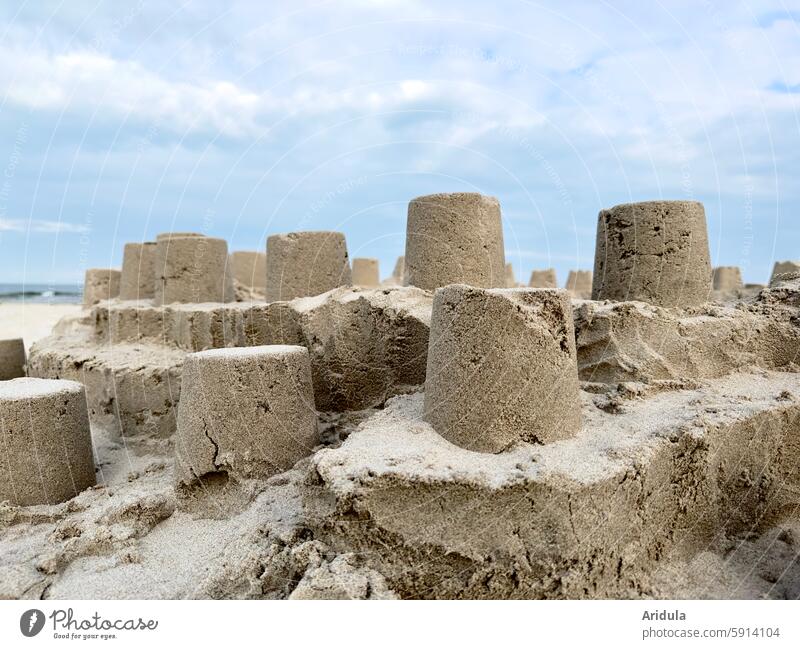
(244, 119)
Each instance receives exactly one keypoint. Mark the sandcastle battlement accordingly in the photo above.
(44, 433)
(654, 251)
(454, 239)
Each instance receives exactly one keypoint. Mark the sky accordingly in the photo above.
(245, 119)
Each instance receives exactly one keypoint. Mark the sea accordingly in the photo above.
(42, 293)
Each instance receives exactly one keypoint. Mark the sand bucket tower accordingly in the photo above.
(727, 278)
(12, 358)
(366, 272)
(249, 268)
(656, 252)
(300, 264)
(454, 238)
(502, 367)
(100, 284)
(247, 412)
(137, 281)
(579, 284)
(544, 278)
(191, 269)
(45, 441)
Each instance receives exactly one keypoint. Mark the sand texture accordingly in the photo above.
(680, 480)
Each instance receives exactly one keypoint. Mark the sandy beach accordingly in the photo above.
(31, 321)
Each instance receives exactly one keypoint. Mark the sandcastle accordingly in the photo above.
(247, 413)
(300, 264)
(100, 284)
(366, 272)
(12, 358)
(579, 284)
(191, 269)
(399, 272)
(44, 432)
(501, 367)
(545, 278)
(655, 251)
(727, 278)
(250, 269)
(454, 238)
(137, 280)
(511, 280)
(782, 268)
(475, 442)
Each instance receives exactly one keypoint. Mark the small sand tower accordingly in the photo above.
(656, 252)
(398, 274)
(191, 269)
(12, 359)
(249, 268)
(301, 264)
(727, 278)
(45, 443)
(454, 238)
(502, 367)
(100, 284)
(247, 412)
(579, 284)
(366, 273)
(783, 267)
(137, 281)
(545, 278)
(511, 279)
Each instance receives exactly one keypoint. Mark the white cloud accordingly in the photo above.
(41, 226)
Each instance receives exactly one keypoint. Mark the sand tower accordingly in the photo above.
(783, 267)
(579, 284)
(191, 269)
(398, 274)
(247, 412)
(545, 278)
(502, 367)
(452, 239)
(12, 359)
(656, 252)
(45, 443)
(366, 272)
(727, 278)
(100, 284)
(249, 268)
(300, 264)
(137, 281)
(511, 280)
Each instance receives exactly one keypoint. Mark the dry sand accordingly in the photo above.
(31, 321)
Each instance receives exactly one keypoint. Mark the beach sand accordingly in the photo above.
(31, 321)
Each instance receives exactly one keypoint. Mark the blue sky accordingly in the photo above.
(239, 120)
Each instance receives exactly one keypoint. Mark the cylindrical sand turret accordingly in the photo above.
(137, 281)
(656, 252)
(783, 267)
(545, 278)
(366, 272)
(249, 268)
(245, 411)
(454, 238)
(45, 443)
(191, 269)
(502, 367)
(300, 264)
(579, 284)
(398, 274)
(12, 359)
(727, 278)
(511, 280)
(100, 284)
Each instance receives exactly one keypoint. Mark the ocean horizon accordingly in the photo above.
(41, 293)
